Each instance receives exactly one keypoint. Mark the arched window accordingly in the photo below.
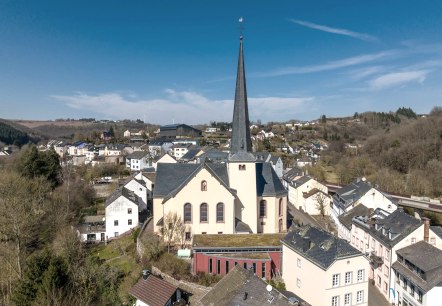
(203, 212)
(203, 186)
(220, 212)
(280, 207)
(280, 225)
(187, 212)
(262, 208)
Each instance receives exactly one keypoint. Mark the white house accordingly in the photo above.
(299, 186)
(138, 187)
(149, 180)
(417, 275)
(111, 150)
(165, 159)
(122, 209)
(323, 269)
(138, 161)
(92, 229)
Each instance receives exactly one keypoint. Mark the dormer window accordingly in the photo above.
(203, 186)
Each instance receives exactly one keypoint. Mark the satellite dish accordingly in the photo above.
(269, 288)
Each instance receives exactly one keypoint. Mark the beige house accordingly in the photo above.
(379, 238)
(323, 269)
(298, 184)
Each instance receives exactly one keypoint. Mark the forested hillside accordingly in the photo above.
(10, 135)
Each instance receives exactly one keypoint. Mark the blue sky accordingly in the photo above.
(175, 61)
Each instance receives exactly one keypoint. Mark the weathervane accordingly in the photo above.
(241, 27)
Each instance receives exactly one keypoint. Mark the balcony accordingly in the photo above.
(376, 260)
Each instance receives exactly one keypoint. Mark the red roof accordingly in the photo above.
(153, 291)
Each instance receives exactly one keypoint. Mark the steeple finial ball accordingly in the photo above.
(241, 20)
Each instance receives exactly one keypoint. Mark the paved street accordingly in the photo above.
(375, 298)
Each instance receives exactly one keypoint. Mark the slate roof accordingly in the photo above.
(347, 218)
(128, 194)
(267, 181)
(215, 155)
(153, 291)
(137, 155)
(242, 156)
(240, 287)
(172, 177)
(293, 173)
(351, 193)
(318, 246)
(150, 175)
(242, 227)
(190, 154)
(437, 230)
(427, 258)
(391, 229)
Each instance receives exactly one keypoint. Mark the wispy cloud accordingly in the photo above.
(397, 79)
(183, 106)
(345, 32)
(342, 63)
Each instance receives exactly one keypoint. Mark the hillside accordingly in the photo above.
(11, 134)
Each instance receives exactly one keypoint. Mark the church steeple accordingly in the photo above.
(241, 141)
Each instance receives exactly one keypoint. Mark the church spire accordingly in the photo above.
(241, 141)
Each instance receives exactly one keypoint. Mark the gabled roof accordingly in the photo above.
(190, 154)
(437, 230)
(292, 173)
(242, 227)
(137, 155)
(352, 193)
(359, 210)
(427, 258)
(153, 291)
(171, 178)
(391, 229)
(267, 181)
(128, 194)
(318, 246)
(312, 192)
(240, 287)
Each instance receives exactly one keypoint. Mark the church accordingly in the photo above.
(239, 195)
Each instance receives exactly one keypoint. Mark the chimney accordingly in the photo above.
(146, 274)
(426, 229)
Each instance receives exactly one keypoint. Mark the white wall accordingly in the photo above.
(118, 210)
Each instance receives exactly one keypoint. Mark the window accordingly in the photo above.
(348, 277)
(359, 296)
(299, 262)
(203, 186)
(432, 240)
(404, 285)
(335, 282)
(203, 212)
(242, 167)
(227, 266)
(129, 211)
(413, 240)
(218, 266)
(280, 207)
(385, 287)
(360, 275)
(220, 233)
(347, 299)
(387, 255)
(210, 265)
(187, 212)
(411, 289)
(244, 265)
(298, 283)
(220, 212)
(254, 267)
(115, 222)
(262, 208)
(263, 270)
(419, 296)
(335, 301)
(386, 271)
(129, 222)
(188, 236)
(236, 263)
(116, 234)
(397, 278)
(379, 281)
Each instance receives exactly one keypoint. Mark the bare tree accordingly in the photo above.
(170, 228)
(321, 203)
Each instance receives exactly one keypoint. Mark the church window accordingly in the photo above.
(203, 212)
(203, 186)
(280, 207)
(262, 208)
(187, 212)
(242, 167)
(220, 212)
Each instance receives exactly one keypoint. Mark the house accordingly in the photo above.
(164, 159)
(159, 147)
(179, 150)
(149, 180)
(380, 237)
(345, 220)
(154, 291)
(179, 131)
(300, 186)
(316, 202)
(304, 161)
(111, 150)
(436, 236)
(106, 135)
(360, 191)
(138, 161)
(78, 148)
(323, 269)
(212, 130)
(92, 229)
(215, 254)
(61, 147)
(227, 197)
(138, 186)
(122, 209)
(242, 287)
(417, 275)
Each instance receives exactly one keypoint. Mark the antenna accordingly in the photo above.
(241, 27)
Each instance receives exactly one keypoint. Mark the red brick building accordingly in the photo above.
(218, 254)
